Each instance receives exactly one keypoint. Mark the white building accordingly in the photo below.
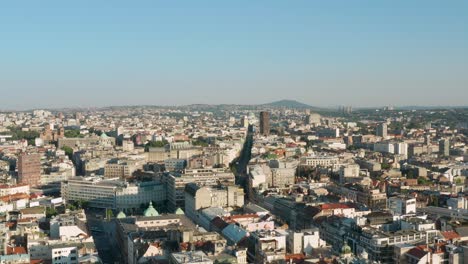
(191, 257)
(113, 193)
(401, 205)
(314, 160)
(65, 255)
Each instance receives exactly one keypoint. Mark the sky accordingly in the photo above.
(92, 53)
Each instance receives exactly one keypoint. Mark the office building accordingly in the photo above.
(382, 130)
(199, 197)
(264, 123)
(113, 194)
(29, 169)
(176, 182)
(444, 147)
(244, 121)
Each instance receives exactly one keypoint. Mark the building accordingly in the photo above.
(197, 197)
(267, 246)
(444, 147)
(175, 183)
(381, 130)
(401, 205)
(193, 257)
(392, 147)
(120, 169)
(68, 255)
(13, 189)
(283, 173)
(29, 169)
(313, 119)
(349, 172)
(175, 164)
(128, 146)
(315, 160)
(264, 123)
(380, 245)
(304, 241)
(113, 193)
(328, 133)
(244, 121)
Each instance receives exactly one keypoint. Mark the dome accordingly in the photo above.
(104, 136)
(179, 211)
(121, 215)
(346, 249)
(150, 211)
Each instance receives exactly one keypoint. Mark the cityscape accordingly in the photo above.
(233, 132)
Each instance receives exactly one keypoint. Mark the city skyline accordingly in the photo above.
(369, 54)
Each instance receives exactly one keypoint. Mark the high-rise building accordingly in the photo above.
(313, 119)
(427, 139)
(382, 130)
(444, 147)
(265, 123)
(29, 169)
(244, 121)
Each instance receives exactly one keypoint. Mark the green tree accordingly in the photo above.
(68, 151)
(423, 181)
(155, 144)
(73, 133)
(385, 166)
(109, 214)
(17, 134)
(82, 204)
(200, 142)
(50, 212)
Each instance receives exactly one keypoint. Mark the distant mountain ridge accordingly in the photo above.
(287, 104)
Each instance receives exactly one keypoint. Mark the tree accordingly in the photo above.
(68, 151)
(155, 144)
(73, 133)
(71, 207)
(200, 142)
(423, 181)
(109, 214)
(17, 134)
(385, 166)
(82, 204)
(50, 212)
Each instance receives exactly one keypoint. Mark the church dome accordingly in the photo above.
(121, 215)
(150, 211)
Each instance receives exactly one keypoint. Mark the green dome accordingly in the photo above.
(179, 211)
(121, 215)
(150, 211)
(346, 249)
(104, 136)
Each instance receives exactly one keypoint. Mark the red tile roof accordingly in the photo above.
(15, 250)
(450, 235)
(417, 252)
(14, 197)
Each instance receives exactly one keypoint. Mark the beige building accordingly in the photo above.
(176, 182)
(199, 197)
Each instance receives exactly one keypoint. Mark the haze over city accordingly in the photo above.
(233, 132)
(323, 53)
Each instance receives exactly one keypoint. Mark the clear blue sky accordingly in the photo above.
(324, 53)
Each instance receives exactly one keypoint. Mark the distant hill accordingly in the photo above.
(288, 104)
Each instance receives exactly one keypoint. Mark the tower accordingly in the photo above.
(382, 130)
(427, 139)
(264, 123)
(444, 147)
(29, 169)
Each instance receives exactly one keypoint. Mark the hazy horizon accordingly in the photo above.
(83, 54)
